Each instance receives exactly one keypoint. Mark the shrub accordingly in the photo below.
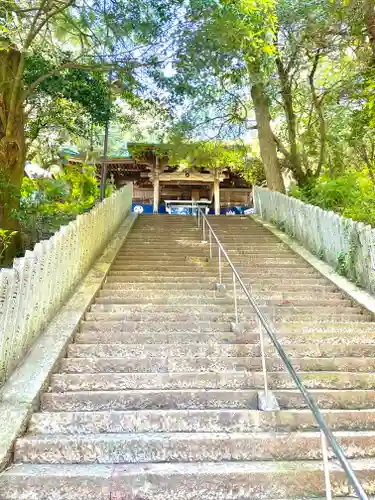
(47, 204)
(351, 195)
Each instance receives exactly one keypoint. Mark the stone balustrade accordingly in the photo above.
(346, 245)
(38, 284)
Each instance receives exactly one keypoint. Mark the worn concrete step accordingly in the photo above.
(135, 250)
(179, 259)
(154, 326)
(211, 298)
(212, 364)
(210, 380)
(144, 240)
(325, 326)
(135, 276)
(200, 315)
(251, 239)
(186, 267)
(189, 266)
(196, 421)
(284, 324)
(203, 271)
(163, 237)
(247, 249)
(192, 245)
(202, 481)
(225, 305)
(186, 447)
(164, 260)
(208, 287)
(323, 350)
(136, 255)
(186, 337)
(210, 275)
(352, 399)
(247, 263)
(197, 287)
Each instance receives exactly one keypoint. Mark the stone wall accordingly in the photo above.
(346, 245)
(37, 285)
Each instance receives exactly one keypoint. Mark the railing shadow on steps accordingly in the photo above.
(38, 284)
(264, 325)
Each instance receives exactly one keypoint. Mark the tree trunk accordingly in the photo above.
(370, 20)
(12, 140)
(294, 157)
(317, 104)
(268, 150)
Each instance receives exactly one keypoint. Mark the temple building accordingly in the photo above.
(160, 187)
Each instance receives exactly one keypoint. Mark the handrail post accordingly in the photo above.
(204, 231)
(263, 356)
(235, 299)
(327, 482)
(220, 270)
(210, 238)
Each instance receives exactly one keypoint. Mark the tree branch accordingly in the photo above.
(102, 67)
(52, 14)
(283, 150)
(30, 35)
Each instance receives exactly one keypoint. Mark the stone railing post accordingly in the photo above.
(346, 245)
(37, 285)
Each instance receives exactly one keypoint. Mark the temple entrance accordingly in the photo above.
(158, 185)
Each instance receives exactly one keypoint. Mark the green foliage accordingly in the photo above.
(89, 90)
(208, 154)
(217, 155)
(6, 237)
(351, 195)
(47, 204)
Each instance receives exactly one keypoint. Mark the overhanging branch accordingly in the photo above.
(280, 146)
(102, 67)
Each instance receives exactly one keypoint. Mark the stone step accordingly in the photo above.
(352, 399)
(225, 305)
(210, 380)
(179, 259)
(135, 276)
(113, 302)
(212, 364)
(164, 237)
(187, 267)
(195, 245)
(163, 260)
(196, 421)
(202, 481)
(322, 326)
(207, 287)
(285, 324)
(323, 350)
(179, 255)
(165, 337)
(153, 326)
(186, 447)
(129, 250)
(293, 313)
(211, 275)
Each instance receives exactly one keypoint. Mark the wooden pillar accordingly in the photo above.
(156, 187)
(217, 194)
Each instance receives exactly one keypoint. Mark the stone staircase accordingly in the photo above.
(157, 398)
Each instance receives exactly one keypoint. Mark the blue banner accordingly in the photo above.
(148, 208)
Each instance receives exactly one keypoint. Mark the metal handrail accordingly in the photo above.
(326, 433)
